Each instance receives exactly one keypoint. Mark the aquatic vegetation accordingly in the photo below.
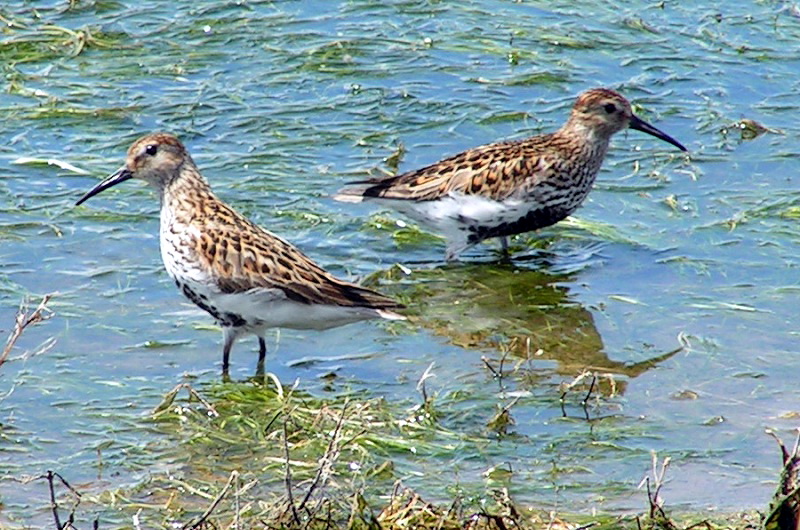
(661, 318)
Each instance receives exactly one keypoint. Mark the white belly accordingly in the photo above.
(259, 309)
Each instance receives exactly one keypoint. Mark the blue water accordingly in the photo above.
(281, 103)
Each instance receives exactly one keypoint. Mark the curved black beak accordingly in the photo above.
(121, 175)
(641, 125)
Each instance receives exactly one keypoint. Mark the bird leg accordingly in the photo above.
(455, 248)
(262, 354)
(504, 245)
(229, 337)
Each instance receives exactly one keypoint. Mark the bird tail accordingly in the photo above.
(354, 194)
(391, 315)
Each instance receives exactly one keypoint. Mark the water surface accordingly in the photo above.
(281, 103)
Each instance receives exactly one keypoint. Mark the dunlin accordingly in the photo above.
(244, 276)
(508, 188)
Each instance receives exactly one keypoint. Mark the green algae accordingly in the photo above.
(281, 103)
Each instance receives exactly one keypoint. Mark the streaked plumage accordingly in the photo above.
(247, 278)
(507, 188)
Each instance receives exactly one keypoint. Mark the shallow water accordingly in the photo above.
(281, 103)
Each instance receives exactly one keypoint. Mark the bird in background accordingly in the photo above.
(508, 188)
(244, 276)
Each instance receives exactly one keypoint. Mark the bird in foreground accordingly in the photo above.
(244, 276)
(508, 188)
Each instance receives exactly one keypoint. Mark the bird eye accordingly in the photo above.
(610, 108)
(151, 149)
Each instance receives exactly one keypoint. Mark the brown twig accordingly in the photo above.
(327, 458)
(502, 363)
(659, 478)
(288, 475)
(197, 524)
(23, 320)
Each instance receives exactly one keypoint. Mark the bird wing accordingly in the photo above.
(494, 171)
(245, 257)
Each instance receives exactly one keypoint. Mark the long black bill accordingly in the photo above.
(121, 175)
(641, 125)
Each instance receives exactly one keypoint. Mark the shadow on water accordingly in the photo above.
(525, 312)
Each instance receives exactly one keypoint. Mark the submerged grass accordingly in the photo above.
(26, 42)
(258, 454)
(295, 460)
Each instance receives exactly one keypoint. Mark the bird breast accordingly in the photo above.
(177, 240)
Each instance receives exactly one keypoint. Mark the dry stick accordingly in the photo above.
(53, 503)
(653, 505)
(210, 509)
(652, 498)
(326, 457)
(502, 362)
(49, 476)
(288, 475)
(236, 503)
(24, 320)
(659, 478)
